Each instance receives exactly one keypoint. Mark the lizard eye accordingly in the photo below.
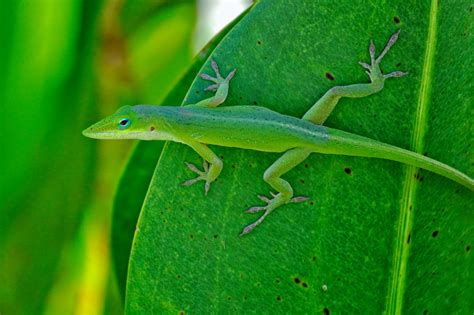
(124, 123)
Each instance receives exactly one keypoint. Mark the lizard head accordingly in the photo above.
(123, 124)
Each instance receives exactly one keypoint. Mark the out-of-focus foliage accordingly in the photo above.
(65, 64)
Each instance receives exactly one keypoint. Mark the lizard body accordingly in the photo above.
(261, 129)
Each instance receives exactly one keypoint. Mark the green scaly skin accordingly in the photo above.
(261, 129)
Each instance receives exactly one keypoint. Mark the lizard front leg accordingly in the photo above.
(220, 86)
(211, 172)
(272, 175)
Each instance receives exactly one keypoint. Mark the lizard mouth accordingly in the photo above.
(99, 131)
(91, 133)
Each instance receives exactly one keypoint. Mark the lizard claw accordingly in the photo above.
(273, 203)
(255, 209)
(364, 65)
(395, 74)
(203, 175)
(373, 70)
(189, 182)
(218, 80)
(206, 188)
(298, 199)
(212, 88)
(263, 198)
(208, 77)
(215, 67)
(231, 75)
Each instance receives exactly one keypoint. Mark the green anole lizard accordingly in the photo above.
(261, 129)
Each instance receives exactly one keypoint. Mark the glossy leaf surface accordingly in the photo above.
(375, 235)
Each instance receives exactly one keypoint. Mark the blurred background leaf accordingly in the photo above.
(47, 90)
(65, 65)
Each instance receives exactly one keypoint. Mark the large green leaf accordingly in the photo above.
(376, 235)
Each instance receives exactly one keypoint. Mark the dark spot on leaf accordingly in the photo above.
(259, 42)
(254, 102)
(304, 284)
(306, 165)
(259, 284)
(435, 233)
(152, 128)
(329, 76)
(311, 203)
(297, 280)
(245, 298)
(191, 236)
(233, 165)
(457, 191)
(421, 178)
(277, 280)
(411, 207)
(216, 236)
(408, 239)
(425, 154)
(181, 313)
(338, 279)
(425, 312)
(396, 19)
(197, 92)
(348, 171)
(229, 298)
(398, 64)
(278, 298)
(178, 277)
(434, 220)
(240, 97)
(326, 311)
(314, 258)
(468, 248)
(302, 181)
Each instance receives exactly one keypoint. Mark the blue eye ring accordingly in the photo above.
(124, 123)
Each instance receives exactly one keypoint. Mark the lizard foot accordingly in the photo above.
(373, 70)
(218, 80)
(203, 175)
(272, 204)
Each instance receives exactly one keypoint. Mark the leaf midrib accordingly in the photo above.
(401, 247)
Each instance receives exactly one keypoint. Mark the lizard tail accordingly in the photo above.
(345, 143)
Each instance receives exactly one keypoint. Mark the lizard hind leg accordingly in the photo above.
(321, 110)
(272, 175)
